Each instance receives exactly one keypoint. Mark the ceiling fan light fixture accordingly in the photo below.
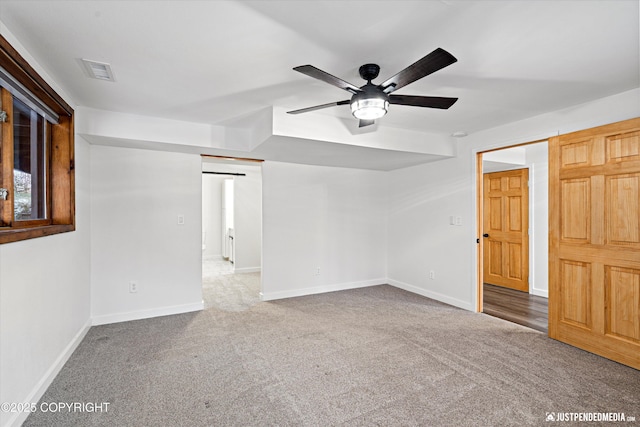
(371, 101)
(369, 108)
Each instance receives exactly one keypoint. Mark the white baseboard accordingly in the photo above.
(38, 391)
(270, 296)
(466, 305)
(539, 292)
(247, 270)
(146, 314)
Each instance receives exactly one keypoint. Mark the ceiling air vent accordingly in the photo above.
(98, 70)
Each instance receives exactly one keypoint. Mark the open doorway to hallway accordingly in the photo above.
(231, 233)
(514, 230)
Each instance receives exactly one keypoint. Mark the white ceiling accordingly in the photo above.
(214, 61)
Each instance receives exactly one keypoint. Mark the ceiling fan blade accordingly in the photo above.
(319, 107)
(363, 123)
(436, 60)
(317, 73)
(422, 101)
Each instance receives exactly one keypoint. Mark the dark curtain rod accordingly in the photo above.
(225, 173)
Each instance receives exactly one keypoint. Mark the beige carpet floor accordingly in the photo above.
(213, 268)
(224, 290)
(232, 292)
(376, 356)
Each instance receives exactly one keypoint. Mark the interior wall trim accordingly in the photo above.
(466, 305)
(146, 314)
(270, 296)
(240, 159)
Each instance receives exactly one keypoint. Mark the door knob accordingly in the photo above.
(485, 235)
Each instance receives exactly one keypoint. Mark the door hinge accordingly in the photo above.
(3, 116)
(3, 193)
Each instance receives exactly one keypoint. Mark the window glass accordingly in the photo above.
(29, 163)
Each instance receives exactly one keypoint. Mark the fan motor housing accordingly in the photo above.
(369, 71)
(369, 91)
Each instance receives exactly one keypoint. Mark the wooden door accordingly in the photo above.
(506, 229)
(594, 244)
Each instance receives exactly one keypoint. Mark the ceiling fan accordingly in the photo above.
(370, 102)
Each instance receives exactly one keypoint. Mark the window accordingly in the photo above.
(29, 163)
(36, 153)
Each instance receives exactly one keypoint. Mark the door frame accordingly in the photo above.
(480, 218)
(232, 166)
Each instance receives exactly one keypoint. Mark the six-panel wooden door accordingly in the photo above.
(506, 229)
(594, 253)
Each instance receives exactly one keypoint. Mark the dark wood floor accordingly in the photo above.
(516, 306)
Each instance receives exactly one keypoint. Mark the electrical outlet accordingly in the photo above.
(133, 286)
(180, 219)
(432, 274)
(317, 272)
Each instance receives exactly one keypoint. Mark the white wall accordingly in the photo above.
(136, 198)
(538, 163)
(248, 220)
(212, 214)
(423, 198)
(317, 217)
(421, 239)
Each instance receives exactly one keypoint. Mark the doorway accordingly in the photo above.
(513, 218)
(231, 233)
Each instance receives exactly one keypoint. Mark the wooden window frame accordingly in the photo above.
(61, 169)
